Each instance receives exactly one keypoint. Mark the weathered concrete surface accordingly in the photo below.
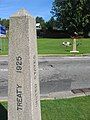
(23, 82)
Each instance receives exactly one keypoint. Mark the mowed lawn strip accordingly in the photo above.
(4, 46)
(84, 46)
(65, 109)
(52, 46)
(4, 104)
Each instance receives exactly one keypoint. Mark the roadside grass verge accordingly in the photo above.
(47, 46)
(64, 109)
(3, 46)
(54, 46)
(5, 105)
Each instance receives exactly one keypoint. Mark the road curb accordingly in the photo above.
(55, 95)
(3, 55)
(63, 55)
(62, 95)
(3, 99)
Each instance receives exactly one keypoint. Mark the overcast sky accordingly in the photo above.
(35, 7)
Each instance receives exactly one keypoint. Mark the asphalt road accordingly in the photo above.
(55, 74)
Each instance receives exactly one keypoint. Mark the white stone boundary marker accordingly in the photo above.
(23, 85)
(74, 46)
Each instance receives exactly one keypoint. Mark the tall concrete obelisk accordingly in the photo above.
(23, 85)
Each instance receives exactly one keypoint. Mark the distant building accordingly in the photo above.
(38, 26)
(2, 31)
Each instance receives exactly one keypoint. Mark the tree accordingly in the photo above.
(51, 23)
(57, 8)
(5, 22)
(41, 21)
(72, 12)
(0, 20)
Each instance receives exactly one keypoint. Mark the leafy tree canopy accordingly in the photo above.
(41, 21)
(5, 22)
(70, 13)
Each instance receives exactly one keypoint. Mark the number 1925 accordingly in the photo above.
(18, 64)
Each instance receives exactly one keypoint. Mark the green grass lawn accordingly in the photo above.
(65, 109)
(52, 46)
(3, 46)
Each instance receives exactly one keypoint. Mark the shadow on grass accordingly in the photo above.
(3, 113)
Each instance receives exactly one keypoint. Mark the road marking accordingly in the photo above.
(3, 70)
(3, 60)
